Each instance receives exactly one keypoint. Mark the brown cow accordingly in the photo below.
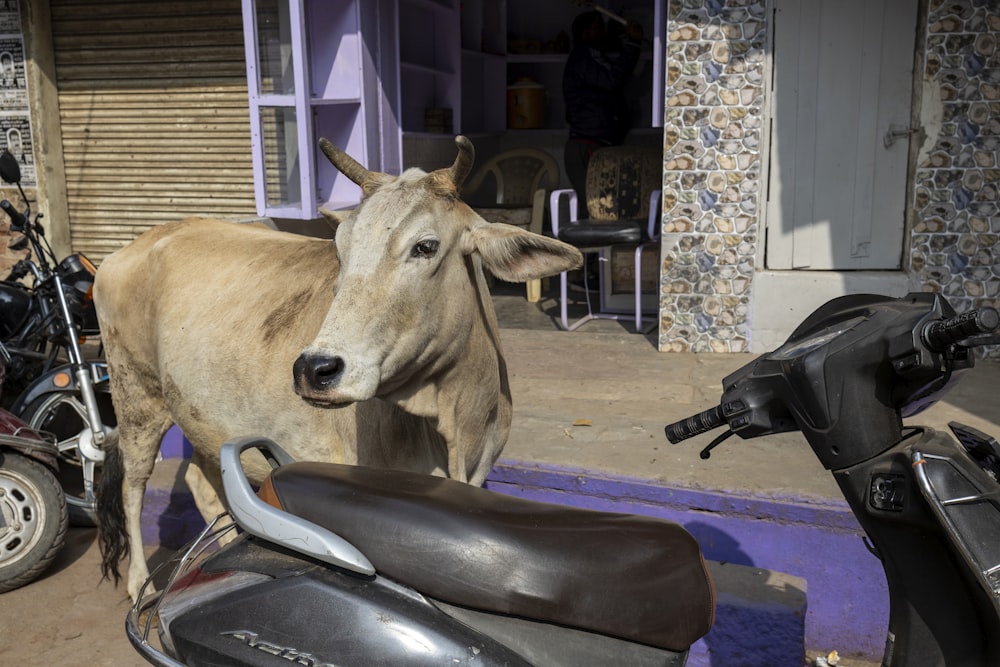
(390, 330)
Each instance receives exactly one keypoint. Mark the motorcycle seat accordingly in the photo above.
(637, 578)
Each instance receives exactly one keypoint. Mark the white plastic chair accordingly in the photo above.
(522, 177)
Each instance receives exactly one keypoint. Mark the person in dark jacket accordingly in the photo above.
(593, 91)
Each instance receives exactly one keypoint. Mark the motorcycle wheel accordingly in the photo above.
(64, 415)
(33, 527)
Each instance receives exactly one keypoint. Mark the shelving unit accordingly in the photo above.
(361, 73)
(306, 79)
(484, 65)
(429, 62)
(489, 66)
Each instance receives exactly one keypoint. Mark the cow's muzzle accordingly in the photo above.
(317, 377)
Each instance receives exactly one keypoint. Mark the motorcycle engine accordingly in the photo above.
(15, 300)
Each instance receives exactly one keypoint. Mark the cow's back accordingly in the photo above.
(234, 282)
(210, 315)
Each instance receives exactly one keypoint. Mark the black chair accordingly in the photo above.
(623, 209)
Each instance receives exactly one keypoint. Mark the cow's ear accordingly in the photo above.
(332, 218)
(515, 255)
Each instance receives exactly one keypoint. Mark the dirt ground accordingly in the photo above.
(69, 617)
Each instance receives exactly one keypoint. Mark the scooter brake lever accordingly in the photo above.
(980, 339)
(707, 452)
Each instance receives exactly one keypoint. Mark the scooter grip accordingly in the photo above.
(695, 425)
(939, 335)
(16, 219)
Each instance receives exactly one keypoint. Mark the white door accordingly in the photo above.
(840, 107)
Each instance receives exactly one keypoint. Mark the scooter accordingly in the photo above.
(338, 565)
(929, 503)
(33, 515)
(42, 324)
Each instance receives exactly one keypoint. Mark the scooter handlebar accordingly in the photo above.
(695, 425)
(937, 336)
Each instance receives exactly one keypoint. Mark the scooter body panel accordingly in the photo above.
(939, 613)
(314, 614)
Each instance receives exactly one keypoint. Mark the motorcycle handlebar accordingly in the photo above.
(937, 336)
(16, 219)
(19, 271)
(695, 425)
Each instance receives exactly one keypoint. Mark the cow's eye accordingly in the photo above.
(425, 249)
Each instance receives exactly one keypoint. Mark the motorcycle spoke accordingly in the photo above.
(68, 448)
(89, 470)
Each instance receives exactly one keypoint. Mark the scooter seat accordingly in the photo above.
(637, 578)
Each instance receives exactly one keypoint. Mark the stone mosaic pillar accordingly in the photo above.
(713, 136)
(954, 247)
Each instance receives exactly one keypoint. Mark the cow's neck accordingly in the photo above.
(476, 422)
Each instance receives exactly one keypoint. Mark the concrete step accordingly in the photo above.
(760, 613)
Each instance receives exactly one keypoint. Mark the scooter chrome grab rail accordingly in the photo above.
(256, 517)
(142, 616)
(260, 519)
(961, 497)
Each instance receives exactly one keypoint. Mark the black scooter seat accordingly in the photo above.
(637, 578)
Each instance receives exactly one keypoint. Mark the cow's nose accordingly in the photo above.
(317, 373)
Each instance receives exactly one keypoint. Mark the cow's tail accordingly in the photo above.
(112, 537)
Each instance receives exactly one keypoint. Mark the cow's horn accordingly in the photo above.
(463, 162)
(344, 163)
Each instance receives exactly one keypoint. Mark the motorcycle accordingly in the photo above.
(33, 515)
(42, 327)
(328, 564)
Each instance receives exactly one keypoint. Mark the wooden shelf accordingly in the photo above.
(322, 102)
(537, 58)
(433, 5)
(425, 69)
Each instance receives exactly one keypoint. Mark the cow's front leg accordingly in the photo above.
(205, 482)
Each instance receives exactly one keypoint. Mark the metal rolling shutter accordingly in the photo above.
(154, 113)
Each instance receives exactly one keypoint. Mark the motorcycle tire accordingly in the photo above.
(34, 523)
(64, 415)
